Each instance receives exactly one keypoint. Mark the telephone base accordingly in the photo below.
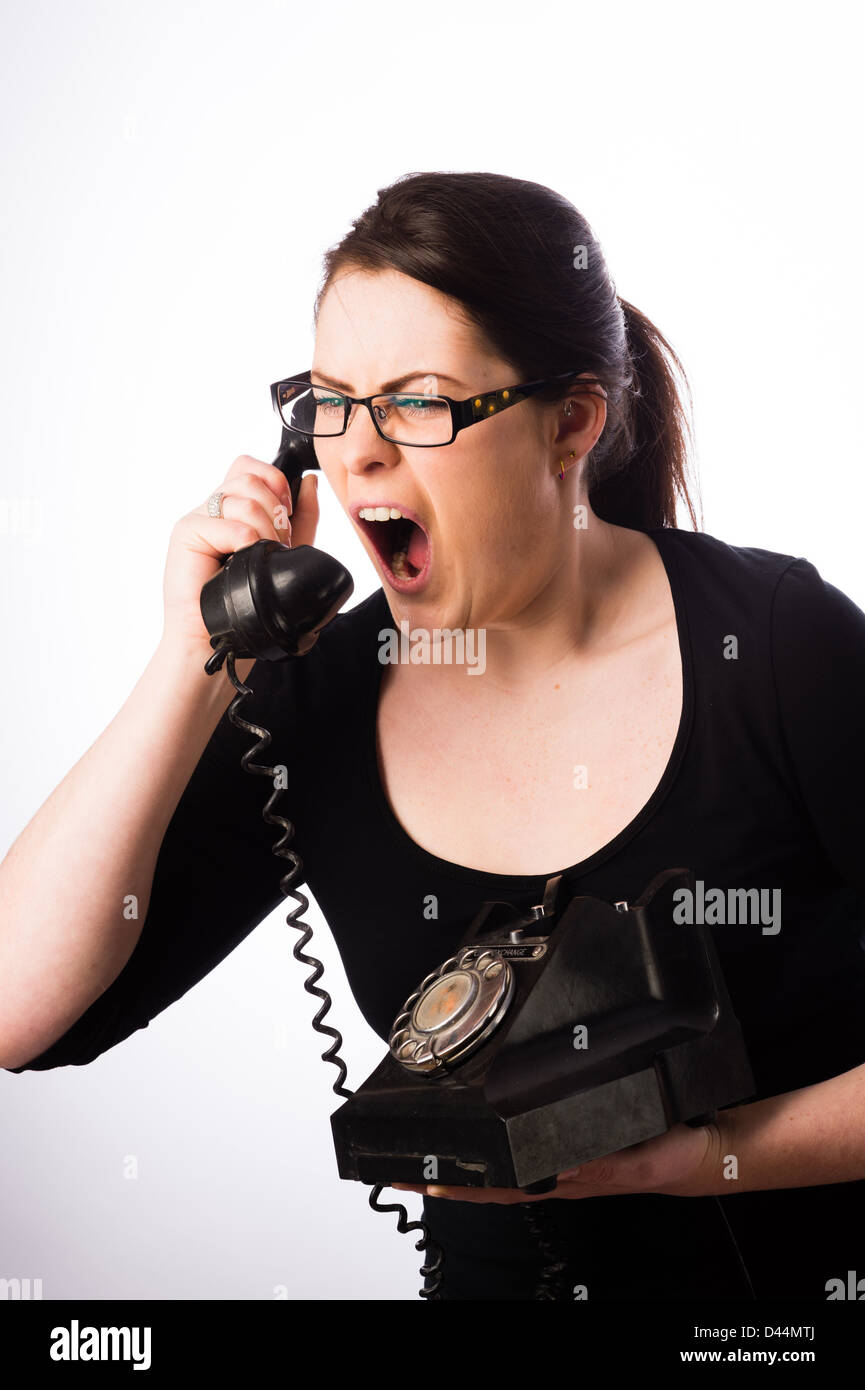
(415, 1132)
(619, 1029)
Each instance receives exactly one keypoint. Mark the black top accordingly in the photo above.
(763, 789)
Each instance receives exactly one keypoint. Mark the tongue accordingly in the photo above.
(416, 551)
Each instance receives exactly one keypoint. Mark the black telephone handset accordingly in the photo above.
(271, 600)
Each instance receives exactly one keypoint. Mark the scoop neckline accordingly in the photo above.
(463, 872)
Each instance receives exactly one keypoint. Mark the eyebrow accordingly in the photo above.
(388, 385)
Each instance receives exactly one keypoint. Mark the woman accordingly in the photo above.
(650, 697)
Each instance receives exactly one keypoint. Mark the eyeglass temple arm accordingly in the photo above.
(487, 403)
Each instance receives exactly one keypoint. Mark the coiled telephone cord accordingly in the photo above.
(431, 1271)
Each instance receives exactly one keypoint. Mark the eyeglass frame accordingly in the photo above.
(479, 406)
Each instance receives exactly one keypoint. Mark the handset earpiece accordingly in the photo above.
(296, 456)
(270, 601)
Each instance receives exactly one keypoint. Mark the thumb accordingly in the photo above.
(304, 518)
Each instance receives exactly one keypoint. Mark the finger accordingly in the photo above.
(251, 486)
(307, 496)
(252, 514)
(256, 508)
(267, 472)
(264, 482)
(304, 519)
(217, 536)
(576, 1190)
(600, 1170)
(503, 1196)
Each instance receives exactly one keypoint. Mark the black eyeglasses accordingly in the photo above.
(411, 417)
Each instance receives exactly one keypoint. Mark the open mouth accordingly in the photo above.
(401, 544)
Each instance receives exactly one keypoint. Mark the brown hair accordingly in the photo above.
(505, 249)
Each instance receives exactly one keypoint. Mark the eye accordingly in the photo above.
(419, 405)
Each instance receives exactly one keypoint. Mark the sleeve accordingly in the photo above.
(818, 662)
(215, 877)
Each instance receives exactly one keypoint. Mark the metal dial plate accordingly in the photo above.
(452, 1012)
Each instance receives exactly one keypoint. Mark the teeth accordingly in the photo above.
(380, 513)
(398, 563)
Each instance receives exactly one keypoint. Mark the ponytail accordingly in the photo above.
(637, 479)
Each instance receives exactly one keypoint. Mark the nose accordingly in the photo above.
(362, 447)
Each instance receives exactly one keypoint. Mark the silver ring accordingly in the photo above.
(214, 504)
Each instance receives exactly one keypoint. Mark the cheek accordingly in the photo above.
(492, 535)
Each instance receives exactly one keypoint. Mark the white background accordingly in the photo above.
(170, 175)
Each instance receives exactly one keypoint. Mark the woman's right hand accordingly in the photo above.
(256, 506)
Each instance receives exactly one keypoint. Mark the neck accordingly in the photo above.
(596, 600)
(602, 594)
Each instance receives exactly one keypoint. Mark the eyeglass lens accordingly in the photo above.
(402, 417)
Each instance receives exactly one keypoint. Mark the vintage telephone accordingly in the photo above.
(552, 1036)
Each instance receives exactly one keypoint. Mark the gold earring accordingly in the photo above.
(572, 454)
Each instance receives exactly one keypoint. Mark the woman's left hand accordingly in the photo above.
(684, 1162)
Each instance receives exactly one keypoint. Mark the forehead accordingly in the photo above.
(380, 324)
